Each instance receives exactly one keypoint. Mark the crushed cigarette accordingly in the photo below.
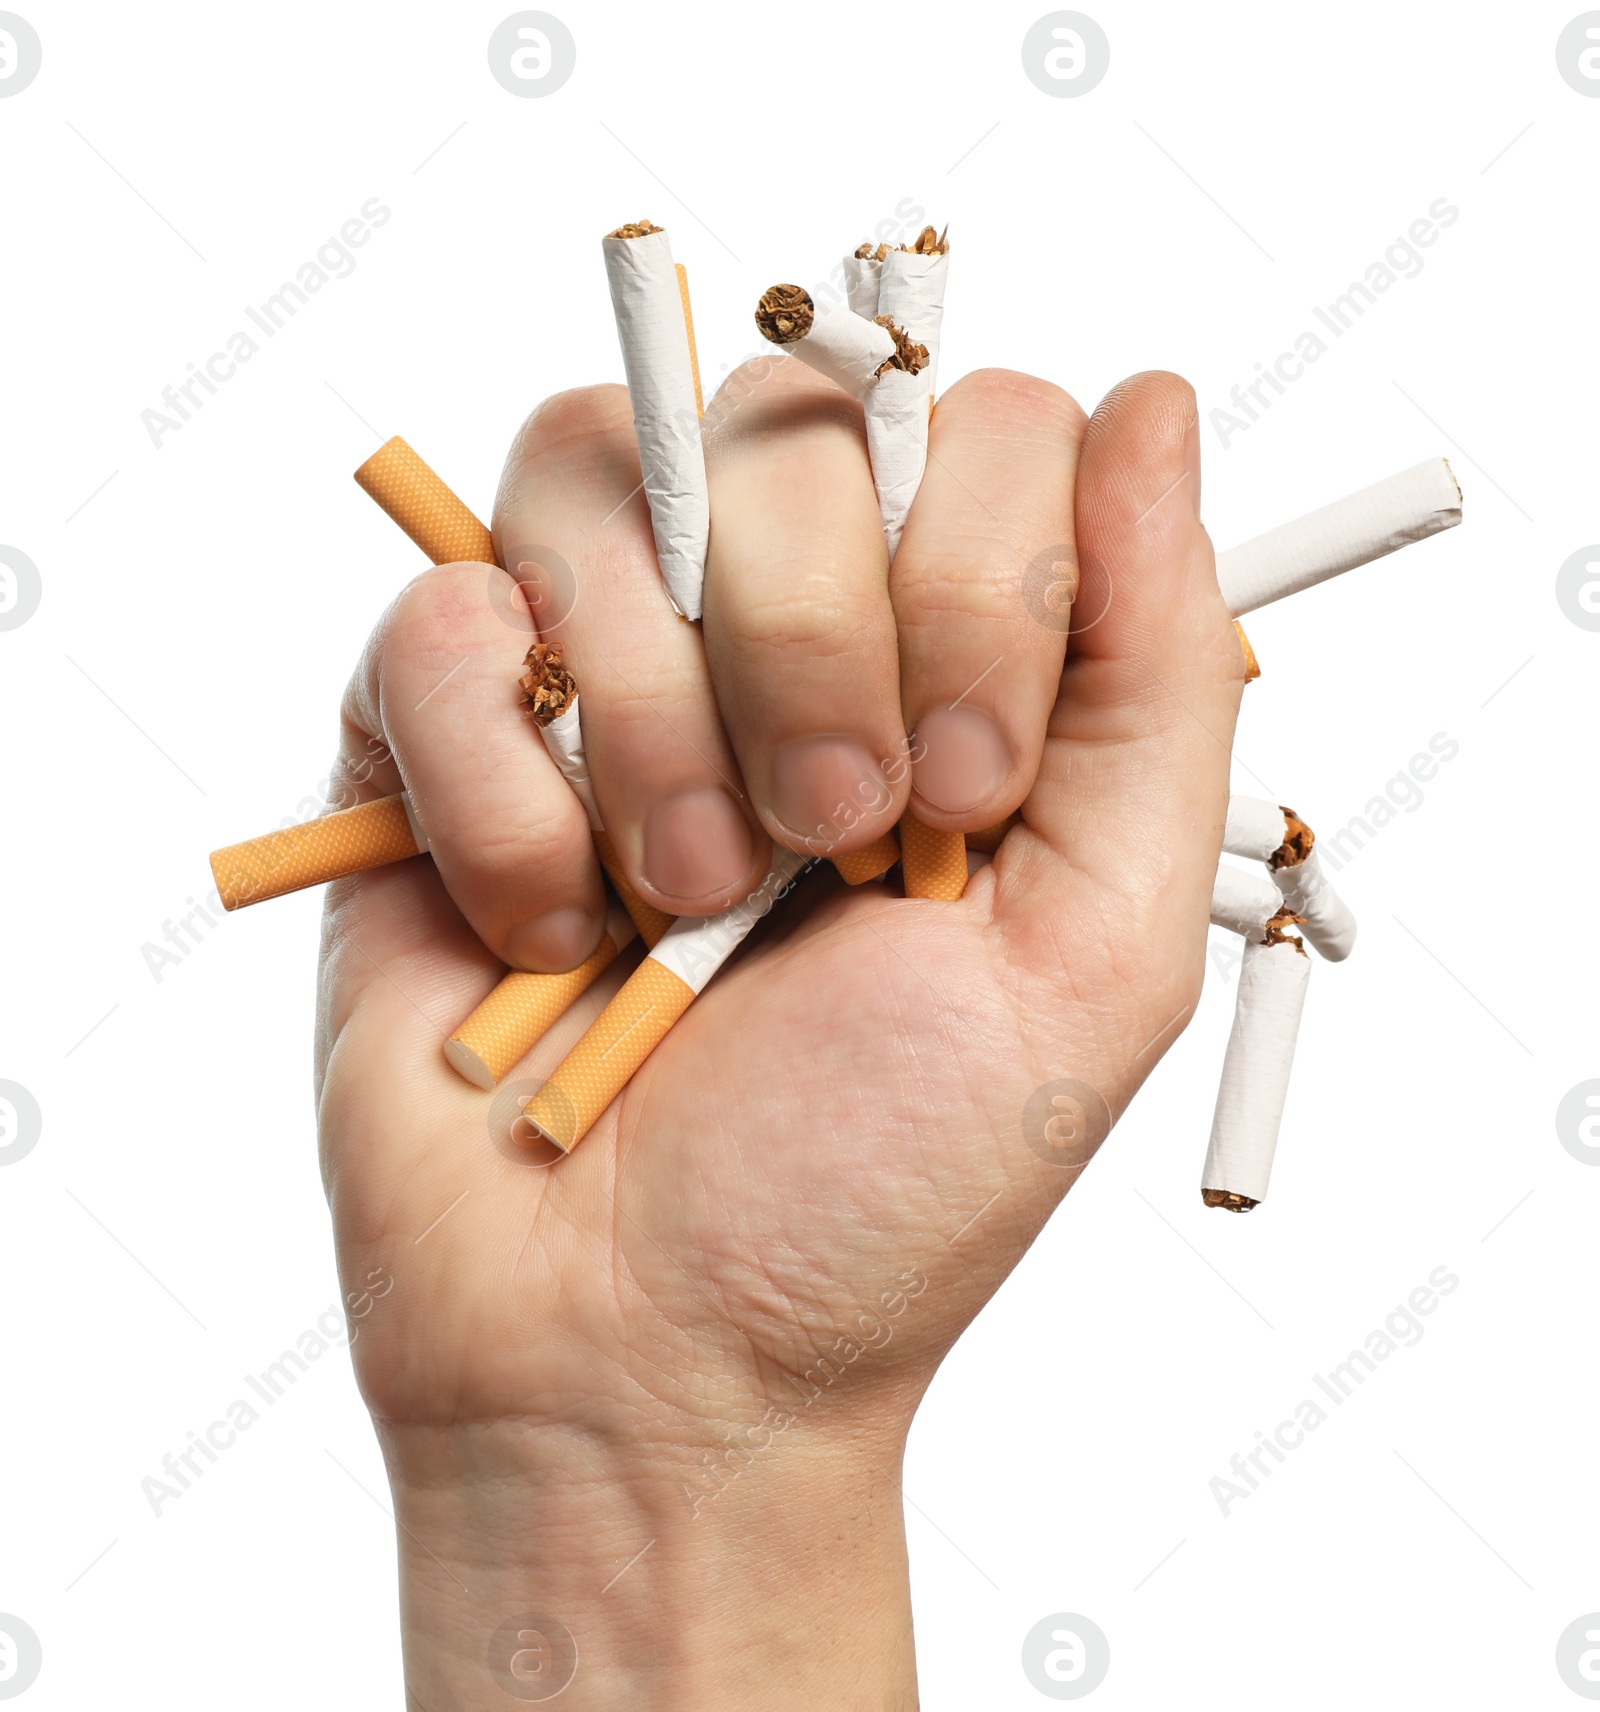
(1278, 837)
(1353, 531)
(548, 688)
(651, 308)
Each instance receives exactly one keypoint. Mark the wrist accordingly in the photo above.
(712, 1567)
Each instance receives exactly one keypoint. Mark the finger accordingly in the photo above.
(664, 773)
(437, 691)
(1134, 780)
(798, 626)
(980, 650)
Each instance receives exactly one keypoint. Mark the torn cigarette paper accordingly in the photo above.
(649, 307)
(1353, 531)
(1255, 1074)
(848, 348)
(1327, 919)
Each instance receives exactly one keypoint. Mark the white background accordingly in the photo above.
(1238, 165)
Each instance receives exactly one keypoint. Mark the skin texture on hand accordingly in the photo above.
(701, 1338)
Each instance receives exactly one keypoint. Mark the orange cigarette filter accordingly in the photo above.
(625, 1033)
(440, 523)
(934, 863)
(1252, 667)
(348, 842)
(871, 862)
(517, 1013)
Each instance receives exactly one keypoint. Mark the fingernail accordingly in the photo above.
(554, 942)
(823, 786)
(696, 844)
(1191, 457)
(964, 760)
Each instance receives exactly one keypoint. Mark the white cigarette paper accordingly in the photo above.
(848, 348)
(1255, 1072)
(1364, 526)
(911, 294)
(656, 357)
(1254, 828)
(1244, 902)
(897, 445)
(563, 737)
(1328, 921)
(695, 949)
(861, 276)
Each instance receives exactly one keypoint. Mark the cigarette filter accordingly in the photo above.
(1329, 923)
(862, 272)
(1255, 1075)
(658, 356)
(848, 348)
(1252, 666)
(871, 862)
(1245, 903)
(1361, 527)
(641, 1015)
(934, 863)
(511, 1020)
(349, 841)
(911, 292)
(439, 522)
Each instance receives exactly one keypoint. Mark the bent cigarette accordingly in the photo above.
(1280, 838)
(348, 841)
(1255, 1075)
(933, 862)
(651, 307)
(849, 349)
(438, 521)
(1329, 922)
(511, 1020)
(897, 411)
(911, 292)
(1248, 904)
(1353, 531)
(642, 1013)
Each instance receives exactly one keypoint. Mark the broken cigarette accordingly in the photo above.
(642, 1013)
(651, 306)
(424, 507)
(348, 841)
(1248, 904)
(1255, 1074)
(933, 862)
(849, 349)
(510, 1022)
(862, 273)
(911, 292)
(1353, 531)
(1278, 837)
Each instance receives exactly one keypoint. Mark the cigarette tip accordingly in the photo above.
(785, 314)
(1227, 1200)
(468, 1065)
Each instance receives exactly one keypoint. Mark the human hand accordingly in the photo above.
(702, 1336)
